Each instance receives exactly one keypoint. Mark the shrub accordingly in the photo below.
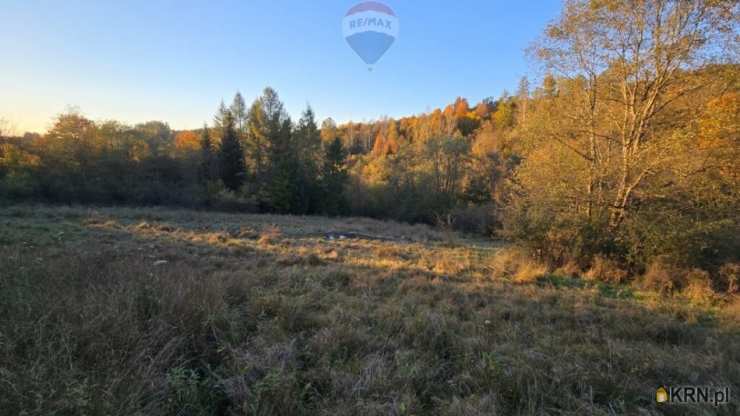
(606, 270)
(518, 265)
(569, 269)
(475, 219)
(529, 272)
(728, 279)
(698, 286)
(663, 276)
(270, 235)
(225, 200)
(506, 261)
(558, 241)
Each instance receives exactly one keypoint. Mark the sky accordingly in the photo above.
(174, 61)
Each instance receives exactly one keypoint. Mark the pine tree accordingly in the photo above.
(206, 156)
(219, 117)
(333, 178)
(282, 188)
(230, 156)
(307, 141)
(308, 135)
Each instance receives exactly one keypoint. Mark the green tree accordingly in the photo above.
(283, 188)
(205, 172)
(307, 141)
(158, 137)
(230, 155)
(333, 178)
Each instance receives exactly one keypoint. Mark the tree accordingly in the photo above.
(265, 129)
(629, 58)
(503, 117)
(218, 119)
(283, 187)
(448, 157)
(205, 172)
(379, 145)
(238, 110)
(307, 142)
(186, 142)
(256, 141)
(158, 137)
(392, 139)
(549, 88)
(328, 130)
(523, 98)
(333, 178)
(230, 155)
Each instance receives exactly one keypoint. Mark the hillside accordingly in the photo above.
(154, 311)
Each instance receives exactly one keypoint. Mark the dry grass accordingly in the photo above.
(150, 311)
(605, 270)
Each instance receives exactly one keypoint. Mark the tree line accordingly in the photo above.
(250, 159)
(623, 154)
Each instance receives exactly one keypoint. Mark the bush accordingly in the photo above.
(606, 270)
(569, 269)
(559, 241)
(270, 235)
(698, 286)
(222, 199)
(663, 276)
(728, 279)
(694, 237)
(474, 219)
(518, 265)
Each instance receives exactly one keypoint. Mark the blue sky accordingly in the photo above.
(174, 61)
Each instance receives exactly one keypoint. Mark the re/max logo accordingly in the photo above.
(370, 21)
(693, 395)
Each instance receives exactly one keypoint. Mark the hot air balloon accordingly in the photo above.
(370, 28)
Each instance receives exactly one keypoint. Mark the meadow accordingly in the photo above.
(138, 311)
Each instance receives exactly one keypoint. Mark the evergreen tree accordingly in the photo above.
(307, 141)
(277, 164)
(206, 156)
(333, 178)
(231, 155)
(283, 186)
(219, 117)
(308, 136)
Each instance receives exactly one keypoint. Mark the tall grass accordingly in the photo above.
(101, 314)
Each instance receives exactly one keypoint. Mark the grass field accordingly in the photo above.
(153, 311)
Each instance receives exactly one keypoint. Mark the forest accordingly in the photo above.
(620, 161)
